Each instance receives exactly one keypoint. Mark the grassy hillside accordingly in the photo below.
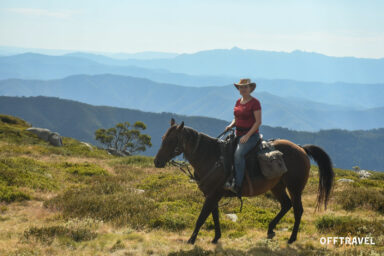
(80, 121)
(76, 200)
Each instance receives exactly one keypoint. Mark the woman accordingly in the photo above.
(247, 121)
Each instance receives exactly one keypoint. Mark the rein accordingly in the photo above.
(184, 165)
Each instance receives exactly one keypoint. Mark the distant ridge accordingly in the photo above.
(292, 112)
(232, 63)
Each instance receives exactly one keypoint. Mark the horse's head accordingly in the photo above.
(171, 144)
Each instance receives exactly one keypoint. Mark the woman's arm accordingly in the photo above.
(255, 126)
(232, 124)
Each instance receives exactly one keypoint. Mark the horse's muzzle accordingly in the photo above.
(158, 163)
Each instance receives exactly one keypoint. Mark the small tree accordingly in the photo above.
(124, 139)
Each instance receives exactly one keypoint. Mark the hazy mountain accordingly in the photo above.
(38, 66)
(123, 56)
(79, 120)
(10, 50)
(225, 65)
(352, 95)
(296, 65)
(218, 102)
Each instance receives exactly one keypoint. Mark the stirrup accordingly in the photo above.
(230, 184)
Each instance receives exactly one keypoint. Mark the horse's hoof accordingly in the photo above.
(191, 241)
(215, 240)
(271, 235)
(291, 240)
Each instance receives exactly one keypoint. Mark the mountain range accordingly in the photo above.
(296, 65)
(215, 101)
(212, 67)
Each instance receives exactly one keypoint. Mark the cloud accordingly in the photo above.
(61, 14)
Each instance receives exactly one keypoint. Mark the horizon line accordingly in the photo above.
(30, 49)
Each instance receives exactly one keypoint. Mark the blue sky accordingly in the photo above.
(336, 28)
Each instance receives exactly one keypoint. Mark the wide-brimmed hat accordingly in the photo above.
(245, 81)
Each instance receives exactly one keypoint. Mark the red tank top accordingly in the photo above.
(244, 117)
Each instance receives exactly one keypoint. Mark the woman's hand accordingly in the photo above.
(244, 138)
(228, 127)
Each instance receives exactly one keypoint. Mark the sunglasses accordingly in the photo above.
(244, 86)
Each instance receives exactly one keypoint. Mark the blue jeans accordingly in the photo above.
(241, 150)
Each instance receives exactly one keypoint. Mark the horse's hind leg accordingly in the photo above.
(215, 216)
(298, 212)
(281, 195)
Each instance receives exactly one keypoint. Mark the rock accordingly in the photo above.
(138, 191)
(232, 216)
(87, 144)
(363, 174)
(345, 180)
(55, 139)
(42, 133)
(45, 134)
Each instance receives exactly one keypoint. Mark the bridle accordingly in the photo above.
(184, 165)
(178, 149)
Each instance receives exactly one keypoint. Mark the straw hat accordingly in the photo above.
(245, 81)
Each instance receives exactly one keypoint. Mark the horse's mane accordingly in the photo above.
(190, 132)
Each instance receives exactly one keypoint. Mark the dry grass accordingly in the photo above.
(83, 214)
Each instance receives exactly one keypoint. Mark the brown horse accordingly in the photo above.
(203, 152)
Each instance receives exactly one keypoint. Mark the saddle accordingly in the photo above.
(262, 160)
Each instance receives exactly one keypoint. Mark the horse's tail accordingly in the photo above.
(326, 174)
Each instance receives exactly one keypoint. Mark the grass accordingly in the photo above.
(76, 200)
(347, 225)
(26, 172)
(11, 194)
(361, 197)
(106, 202)
(87, 169)
(48, 234)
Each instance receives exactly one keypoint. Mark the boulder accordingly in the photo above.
(45, 134)
(363, 174)
(55, 139)
(87, 145)
(345, 180)
(138, 191)
(232, 216)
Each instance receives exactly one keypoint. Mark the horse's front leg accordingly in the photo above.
(211, 202)
(215, 216)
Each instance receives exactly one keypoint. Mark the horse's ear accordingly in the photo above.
(172, 121)
(180, 126)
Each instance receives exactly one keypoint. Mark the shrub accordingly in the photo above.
(353, 197)
(10, 194)
(48, 234)
(117, 246)
(25, 172)
(346, 225)
(142, 161)
(106, 203)
(11, 120)
(87, 169)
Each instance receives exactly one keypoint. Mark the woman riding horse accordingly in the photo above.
(247, 121)
(203, 153)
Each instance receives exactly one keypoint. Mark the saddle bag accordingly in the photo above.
(271, 161)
